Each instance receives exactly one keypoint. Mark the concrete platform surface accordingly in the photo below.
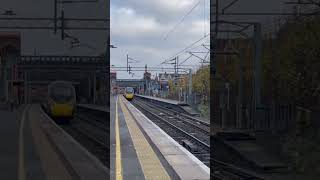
(187, 166)
(247, 147)
(34, 148)
(131, 154)
(125, 153)
(25, 151)
(52, 165)
(80, 162)
(9, 143)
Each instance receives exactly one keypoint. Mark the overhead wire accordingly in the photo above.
(190, 46)
(185, 60)
(183, 18)
(186, 48)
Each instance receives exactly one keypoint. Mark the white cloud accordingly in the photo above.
(163, 9)
(199, 27)
(172, 5)
(126, 22)
(140, 32)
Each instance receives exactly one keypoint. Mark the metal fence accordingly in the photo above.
(275, 117)
(227, 113)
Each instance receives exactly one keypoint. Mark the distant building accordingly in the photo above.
(166, 76)
(164, 79)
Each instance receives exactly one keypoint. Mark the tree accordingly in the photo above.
(291, 66)
(201, 83)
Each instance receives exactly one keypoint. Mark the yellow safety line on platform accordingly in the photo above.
(150, 163)
(52, 165)
(118, 146)
(21, 167)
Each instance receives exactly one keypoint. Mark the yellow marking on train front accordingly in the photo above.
(118, 146)
(150, 163)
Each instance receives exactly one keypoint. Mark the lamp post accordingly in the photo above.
(109, 46)
(55, 13)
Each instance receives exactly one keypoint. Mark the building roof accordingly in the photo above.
(167, 76)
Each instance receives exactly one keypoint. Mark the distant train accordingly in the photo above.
(129, 93)
(61, 100)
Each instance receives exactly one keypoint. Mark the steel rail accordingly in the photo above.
(176, 127)
(93, 122)
(184, 115)
(207, 131)
(97, 141)
(235, 170)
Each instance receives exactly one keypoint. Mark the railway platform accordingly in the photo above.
(33, 147)
(141, 150)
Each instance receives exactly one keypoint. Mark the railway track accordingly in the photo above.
(190, 137)
(197, 123)
(92, 133)
(170, 121)
(225, 171)
(180, 113)
(93, 143)
(195, 129)
(93, 120)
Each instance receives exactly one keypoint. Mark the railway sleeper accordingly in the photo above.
(190, 146)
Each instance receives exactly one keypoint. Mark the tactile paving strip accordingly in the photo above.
(150, 163)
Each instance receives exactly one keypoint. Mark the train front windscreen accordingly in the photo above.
(129, 90)
(62, 94)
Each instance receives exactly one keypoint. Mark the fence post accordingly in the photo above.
(247, 115)
(222, 107)
(308, 117)
(281, 116)
(272, 114)
(238, 122)
(288, 117)
(294, 113)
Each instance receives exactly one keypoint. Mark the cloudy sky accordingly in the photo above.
(140, 29)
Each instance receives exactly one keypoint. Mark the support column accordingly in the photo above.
(94, 88)
(89, 89)
(257, 74)
(190, 87)
(6, 88)
(25, 87)
(240, 89)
